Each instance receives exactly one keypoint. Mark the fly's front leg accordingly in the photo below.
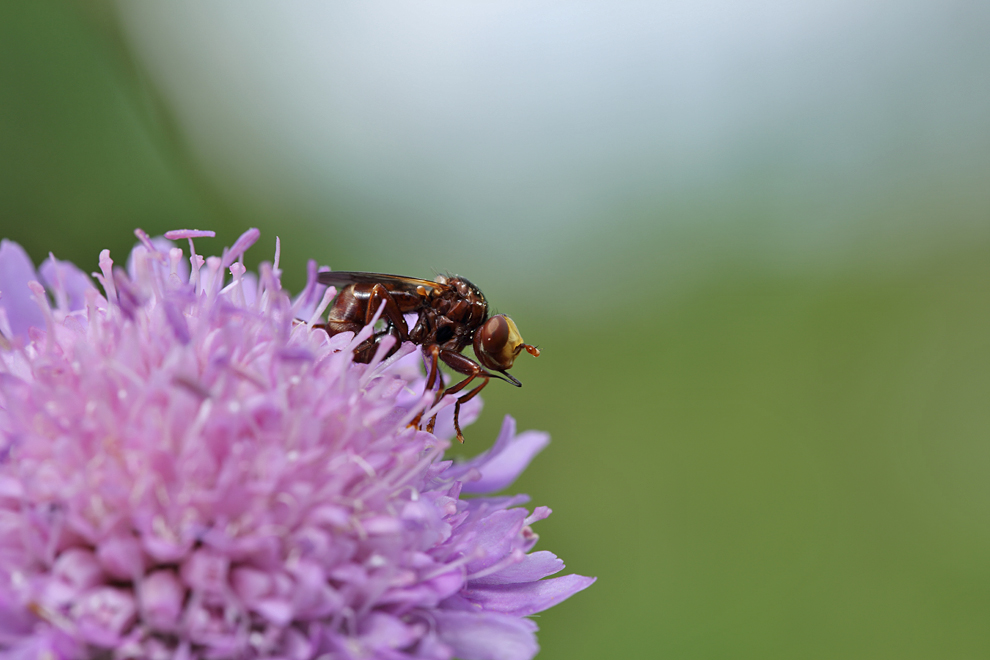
(463, 365)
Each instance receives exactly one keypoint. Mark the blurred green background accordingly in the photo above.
(753, 241)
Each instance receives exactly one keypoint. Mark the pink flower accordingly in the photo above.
(189, 469)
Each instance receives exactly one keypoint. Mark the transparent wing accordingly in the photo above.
(342, 278)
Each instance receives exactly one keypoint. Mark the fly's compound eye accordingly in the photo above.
(498, 342)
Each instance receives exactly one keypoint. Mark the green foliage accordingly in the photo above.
(773, 467)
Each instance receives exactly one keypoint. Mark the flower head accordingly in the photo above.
(190, 469)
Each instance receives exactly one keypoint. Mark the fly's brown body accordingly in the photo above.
(451, 314)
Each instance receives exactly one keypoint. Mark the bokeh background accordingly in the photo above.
(752, 239)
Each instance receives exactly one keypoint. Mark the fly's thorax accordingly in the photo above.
(462, 302)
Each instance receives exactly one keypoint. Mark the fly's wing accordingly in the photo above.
(342, 278)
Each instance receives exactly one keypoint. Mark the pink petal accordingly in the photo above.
(161, 596)
(206, 571)
(103, 615)
(121, 557)
(74, 571)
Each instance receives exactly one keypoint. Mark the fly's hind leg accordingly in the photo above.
(395, 322)
(355, 307)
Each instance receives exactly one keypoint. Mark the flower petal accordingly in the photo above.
(470, 412)
(535, 566)
(103, 614)
(487, 636)
(121, 557)
(505, 461)
(379, 631)
(64, 278)
(161, 596)
(495, 536)
(16, 270)
(528, 597)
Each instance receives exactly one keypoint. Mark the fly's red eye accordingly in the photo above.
(494, 335)
(497, 343)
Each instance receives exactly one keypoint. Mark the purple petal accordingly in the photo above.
(431, 648)
(249, 285)
(496, 535)
(277, 610)
(470, 412)
(15, 618)
(505, 461)
(380, 631)
(312, 596)
(16, 270)
(487, 636)
(535, 566)
(427, 594)
(47, 642)
(65, 277)
(527, 598)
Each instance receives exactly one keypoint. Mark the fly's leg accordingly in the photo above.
(457, 408)
(395, 322)
(391, 313)
(432, 376)
(463, 365)
(356, 306)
